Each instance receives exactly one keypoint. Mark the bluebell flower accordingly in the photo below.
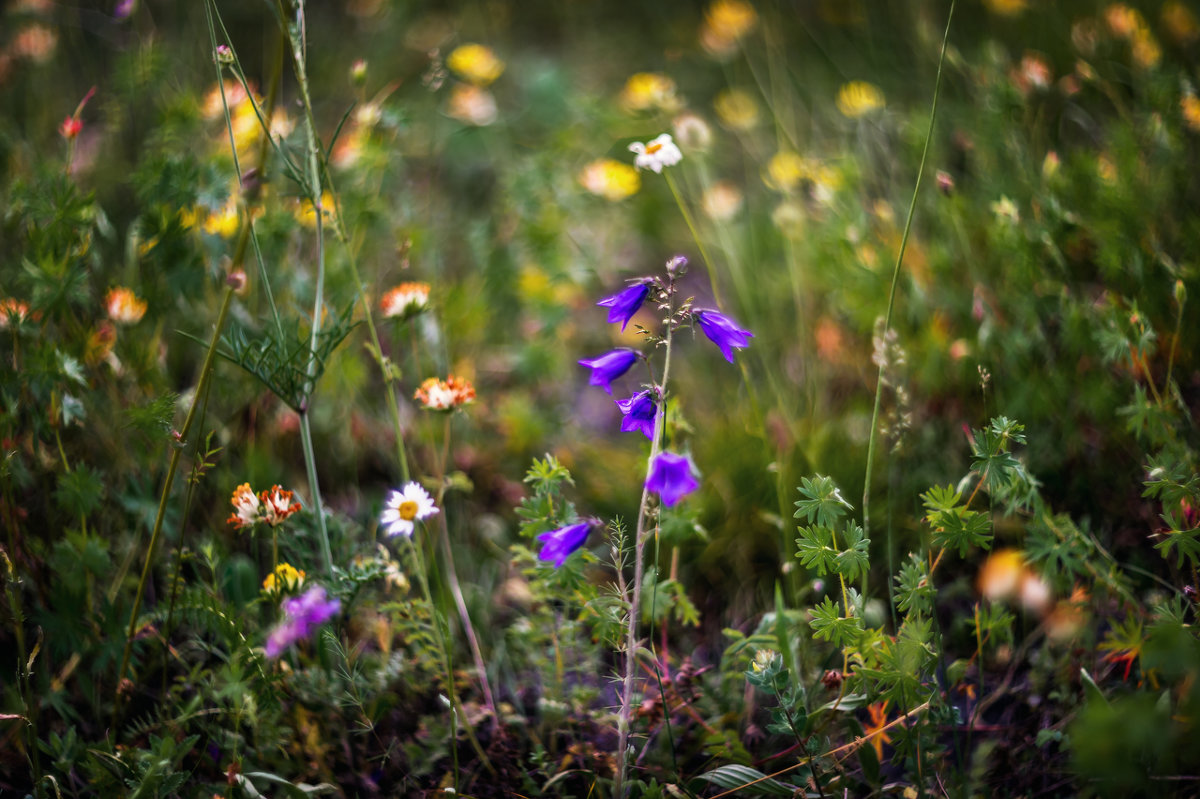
(624, 304)
(564, 542)
(640, 411)
(723, 332)
(608, 367)
(672, 477)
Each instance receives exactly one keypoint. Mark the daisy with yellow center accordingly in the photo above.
(123, 306)
(405, 507)
(657, 153)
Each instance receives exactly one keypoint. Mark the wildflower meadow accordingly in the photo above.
(744, 398)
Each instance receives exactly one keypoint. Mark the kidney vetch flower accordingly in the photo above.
(405, 300)
(123, 306)
(445, 395)
(405, 506)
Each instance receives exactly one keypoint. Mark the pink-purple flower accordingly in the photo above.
(672, 477)
(302, 615)
(624, 304)
(560, 544)
(641, 412)
(723, 331)
(609, 366)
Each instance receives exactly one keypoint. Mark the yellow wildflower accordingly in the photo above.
(786, 169)
(286, 577)
(736, 109)
(1189, 104)
(859, 98)
(647, 90)
(610, 179)
(475, 63)
(123, 306)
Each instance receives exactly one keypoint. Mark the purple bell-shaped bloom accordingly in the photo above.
(672, 477)
(560, 544)
(609, 366)
(640, 411)
(723, 332)
(624, 304)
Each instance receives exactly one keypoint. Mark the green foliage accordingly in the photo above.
(955, 526)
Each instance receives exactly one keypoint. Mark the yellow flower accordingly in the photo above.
(722, 201)
(223, 222)
(610, 179)
(1189, 104)
(646, 90)
(786, 169)
(1145, 50)
(1123, 21)
(475, 63)
(736, 109)
(286, 577)
(123, 306)
(305, 214)
(731, 19)
(858, 98)
(1001, 574)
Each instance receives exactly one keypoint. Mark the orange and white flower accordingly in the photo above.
(404, 508)
(657, 153)
(405, 300)
(277, 505)
(246, 507)
(445, 395)
(124, 307)
(12, 310)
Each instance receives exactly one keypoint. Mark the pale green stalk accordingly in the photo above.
(887, 323)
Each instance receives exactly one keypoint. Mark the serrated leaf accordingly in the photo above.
(815, 549)
(821, 500)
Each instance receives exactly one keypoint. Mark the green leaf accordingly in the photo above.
(816, 549)
(747, 781)
(855, 559)
(829, 624)
(962, 529)
(821, 500)
(915, 592)
(79, 492)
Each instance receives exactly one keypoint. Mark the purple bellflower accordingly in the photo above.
(672, 477)
(608, 367)
(641, 412)
(624, 304)
(302, 615)
(723, 332)
(564, 542)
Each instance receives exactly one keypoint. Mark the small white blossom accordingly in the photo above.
(657, 153)
(403, 507)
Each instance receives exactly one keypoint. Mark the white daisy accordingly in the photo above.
(403, 506)
(657, 153)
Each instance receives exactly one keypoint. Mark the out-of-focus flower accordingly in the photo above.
(945, 181)
(303, 615)
(70, 128)
(285, 579)
(124, 307)
(404, 507)
(1034, 592)
(859, 98)
(641, 412)
(692, 132)
(1189, 106)
(1006, 210)
(306, 215)
(473, 105)
(1051, 164)
(124, 9)
(786, 169)
(475, 63)
(625, 303)
(1001, 574)
(646, 90)
(657, 153)
(672, 477)
(722, 331)
(1123, 21)
(608, 367)
(12, 311)
(1032, 74)
(405, 300)
(212, 107)
(236, 280)
(247, 509)
(560, 544)
(277, 505)
(36, 42)
(1180, 23)
(830, 341)
(721, 201)
(1106, 170)
(1145, 50)
(224, 55)
(1006, 8)
(99, 344)
(726, 22)
(736, 109)
(610, 179)
(358, 72)
(224, 221)
(445, 395)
